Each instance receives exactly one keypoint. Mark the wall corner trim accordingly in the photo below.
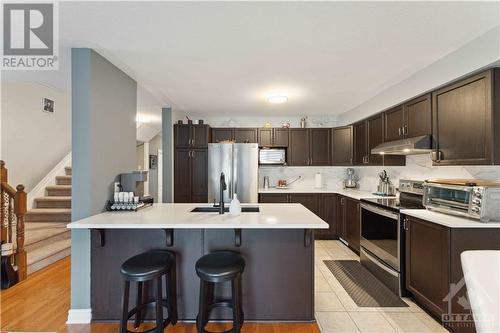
(79, 316)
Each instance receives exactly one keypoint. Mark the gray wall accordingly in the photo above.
(168, 154)
(104, 102)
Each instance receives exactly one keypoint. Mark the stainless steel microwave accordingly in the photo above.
(272, 156)
(469, 198)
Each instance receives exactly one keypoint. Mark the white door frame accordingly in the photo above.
(160, 175)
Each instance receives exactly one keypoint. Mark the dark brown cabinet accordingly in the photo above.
(394, 124)
(417, 117)
(238, 135)
(342, 146)
(414, 118)
(328, 213)
(427, 263)
(308, 200)
(311, 146)
(465, 115)
(222, 134)
(298, 150)
(189, 135)
(340, 216)
(375, 136)
(191, 175)
(348, 221)
(352, 223)
(273, 137)
(273, 198)
(360, 141)
(433, 265)
(320, 149)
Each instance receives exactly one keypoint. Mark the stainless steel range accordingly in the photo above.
(382, 234)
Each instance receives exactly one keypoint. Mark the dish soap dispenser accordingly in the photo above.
(235, 207)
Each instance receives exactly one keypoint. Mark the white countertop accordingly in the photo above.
(448, 220)
(355, 194)
(179, 216)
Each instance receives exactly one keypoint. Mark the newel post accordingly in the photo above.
(20, 208)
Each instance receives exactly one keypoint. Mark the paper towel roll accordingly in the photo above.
(318, 180)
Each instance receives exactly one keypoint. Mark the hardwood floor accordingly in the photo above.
(41, 303)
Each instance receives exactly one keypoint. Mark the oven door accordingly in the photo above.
(380, 230)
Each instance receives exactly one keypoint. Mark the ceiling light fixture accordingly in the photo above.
(277, 99)
(142, 119)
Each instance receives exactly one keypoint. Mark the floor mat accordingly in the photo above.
(363, 287)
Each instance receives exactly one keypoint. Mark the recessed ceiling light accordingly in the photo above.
(277, 99)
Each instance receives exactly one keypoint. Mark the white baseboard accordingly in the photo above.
(79, 316)
(49, 179)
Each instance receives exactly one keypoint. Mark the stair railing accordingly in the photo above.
(13, 208)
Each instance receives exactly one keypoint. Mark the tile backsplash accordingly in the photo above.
(418, 167)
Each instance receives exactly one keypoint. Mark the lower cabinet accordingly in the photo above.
(191, 175)
(348, 221)
(321, 204)
(433, 266)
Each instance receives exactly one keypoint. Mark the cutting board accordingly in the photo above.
(465, 182)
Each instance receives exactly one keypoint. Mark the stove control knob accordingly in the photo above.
(475, 210)
(476, 202)
(478, 194)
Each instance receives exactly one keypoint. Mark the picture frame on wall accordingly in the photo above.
(153, 161)
(48, 105)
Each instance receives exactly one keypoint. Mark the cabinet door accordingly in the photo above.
(375, 133)
(298, 147)
(352, 223)
(280, 137)
(342, 150)
(182, 176)
(308, 200)
(199, 175)
(418, 117)
(463, 121)
(245, 135)
(320, 146)
(222, 134)
(340, 213)
(360, 143)
(273, 198)
(200, 135)
(265, 137)
(182, 135)
(328, 212)
(427, 263)
(393, 124)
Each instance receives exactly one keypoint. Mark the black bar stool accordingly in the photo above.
(218, 267)
(146, 267)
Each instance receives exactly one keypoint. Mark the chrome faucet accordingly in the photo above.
(222, 188)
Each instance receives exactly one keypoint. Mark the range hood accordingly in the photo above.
(411, 146)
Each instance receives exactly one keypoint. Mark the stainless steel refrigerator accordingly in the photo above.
(240, 164)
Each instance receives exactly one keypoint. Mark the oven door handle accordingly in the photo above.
(383, 212)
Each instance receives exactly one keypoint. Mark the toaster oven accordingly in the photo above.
(469, 198)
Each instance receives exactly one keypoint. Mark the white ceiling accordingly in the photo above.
(223, 58)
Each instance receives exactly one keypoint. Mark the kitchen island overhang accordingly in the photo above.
(277, 243)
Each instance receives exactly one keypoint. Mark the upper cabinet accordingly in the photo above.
(238, 135)
(360, 141)
(412, 119)
(342, 146)
(393, 124)
(309, 146)
(417, 117)
(375, 136)
(465, 115)
(190, 135)
(273, 137)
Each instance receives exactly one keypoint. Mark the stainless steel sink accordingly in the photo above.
(226, 209)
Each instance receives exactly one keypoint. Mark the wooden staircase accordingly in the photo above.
(47, 239)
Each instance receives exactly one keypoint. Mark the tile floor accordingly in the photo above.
(336, 312)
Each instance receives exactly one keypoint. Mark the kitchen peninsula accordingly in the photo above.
(277, 243)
